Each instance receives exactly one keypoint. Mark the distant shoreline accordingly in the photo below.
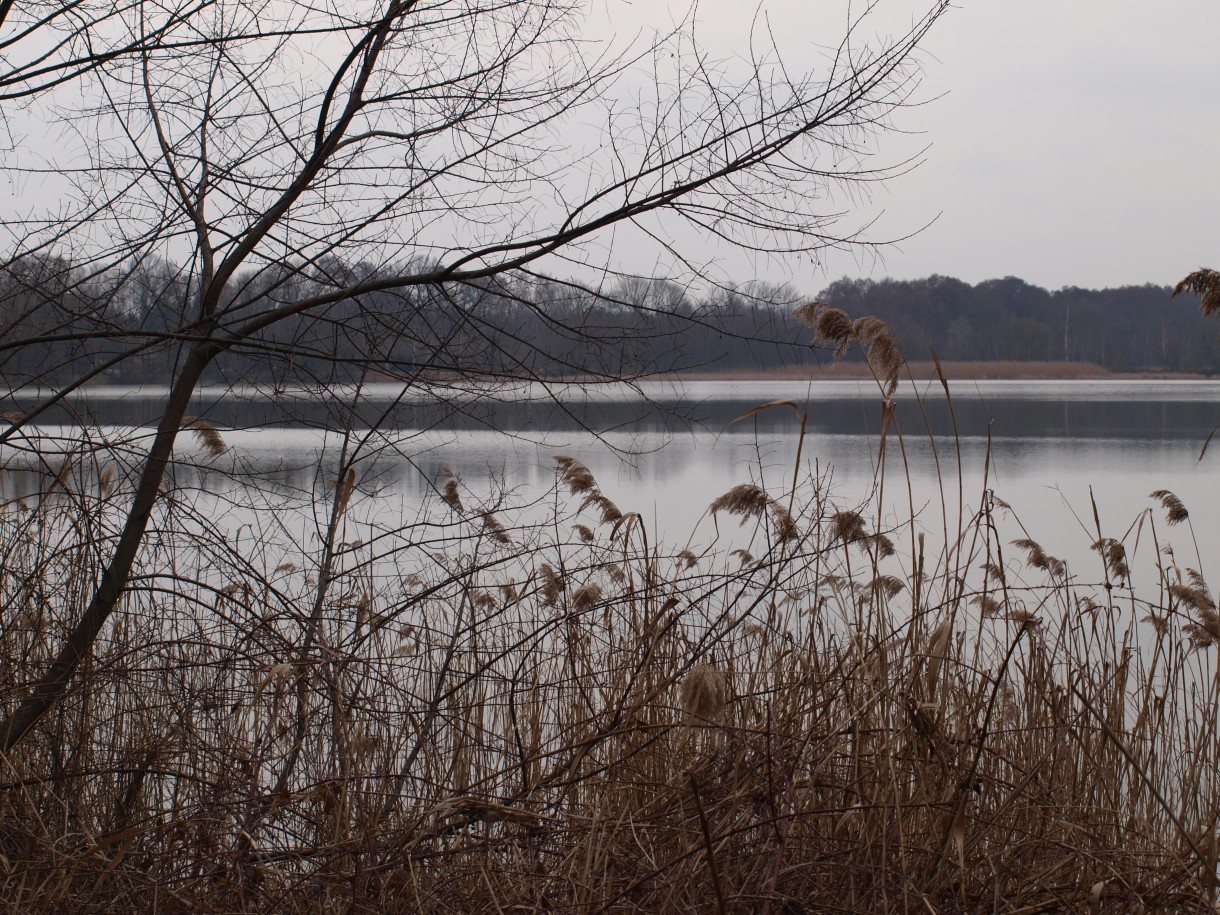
(923, 371)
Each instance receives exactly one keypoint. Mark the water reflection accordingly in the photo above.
(667, 450)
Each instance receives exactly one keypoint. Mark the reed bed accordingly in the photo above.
(481, 711)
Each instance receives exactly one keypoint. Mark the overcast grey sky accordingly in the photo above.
(1070, 142)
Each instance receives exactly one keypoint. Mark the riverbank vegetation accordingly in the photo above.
(497, 707)
(999, 328)
(222, 690)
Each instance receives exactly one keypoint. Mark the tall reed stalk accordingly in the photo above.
(482, 711)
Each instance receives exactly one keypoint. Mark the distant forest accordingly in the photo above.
(58, 322)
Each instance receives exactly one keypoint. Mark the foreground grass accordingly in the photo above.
(468, 715)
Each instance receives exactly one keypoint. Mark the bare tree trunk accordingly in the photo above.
(54, 683)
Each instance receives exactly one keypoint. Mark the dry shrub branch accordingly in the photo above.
(471, 712)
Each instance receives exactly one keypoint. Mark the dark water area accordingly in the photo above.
(1143, 410)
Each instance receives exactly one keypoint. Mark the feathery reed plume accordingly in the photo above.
(686, 559)
(1114, 555)
(834, 326)
(936, 652)
(1039, 559)
(884, 354)
(830, 324)
(105, 480)
(705, 692)
(584, 532)
(450, 495)
(1195, 598)
(849, 526)
(1175, 511)
(882, 544)
(206, 434)
(552, 585)
(993, 572)
(494, 529)
(1205, 632)
(580, 481)
(13, 417)
(575, 475)
(988, 605)
(749, 501)
(482, 599)
(1205, 284)
(585, 597)
(744, 499)
(1159, 622)
(1196, 594)
(64, 473)
(783, 523)
(888, 585)
(608, 510)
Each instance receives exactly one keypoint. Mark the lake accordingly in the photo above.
(667, 449)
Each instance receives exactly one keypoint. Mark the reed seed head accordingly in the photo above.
(1175, 511)
(609, 512)
(705, 692)
(586, 597)
(849, 526)
(1205, 284)
(552, 585)
(1114, 555)
(575, 475)
(450, 495)
(206, 434)
(744, 499)
(1040, 559)
(494, 529)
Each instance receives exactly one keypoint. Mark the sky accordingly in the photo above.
(1068, 142)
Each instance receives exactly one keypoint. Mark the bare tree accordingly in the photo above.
(262, 146)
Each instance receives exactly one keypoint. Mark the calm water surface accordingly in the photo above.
(1050, 449)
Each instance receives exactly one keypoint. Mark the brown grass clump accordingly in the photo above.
(449, 494)
(872, 334)
(1175, 511)
(1205, 284)
(580, 481)
(206, 434)
(413, 722)
(494, 529)
(751, 502)
(705, 693)
(1039, 559)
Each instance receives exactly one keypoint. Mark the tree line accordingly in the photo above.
(122, 325)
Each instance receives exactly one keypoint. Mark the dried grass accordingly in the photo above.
(705, 694)
(450, 494)
(873, 335)
(1205, 284)
(598, 724)
(1175, 511)
(206, 434)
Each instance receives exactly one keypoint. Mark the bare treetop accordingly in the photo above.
(282, 161)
